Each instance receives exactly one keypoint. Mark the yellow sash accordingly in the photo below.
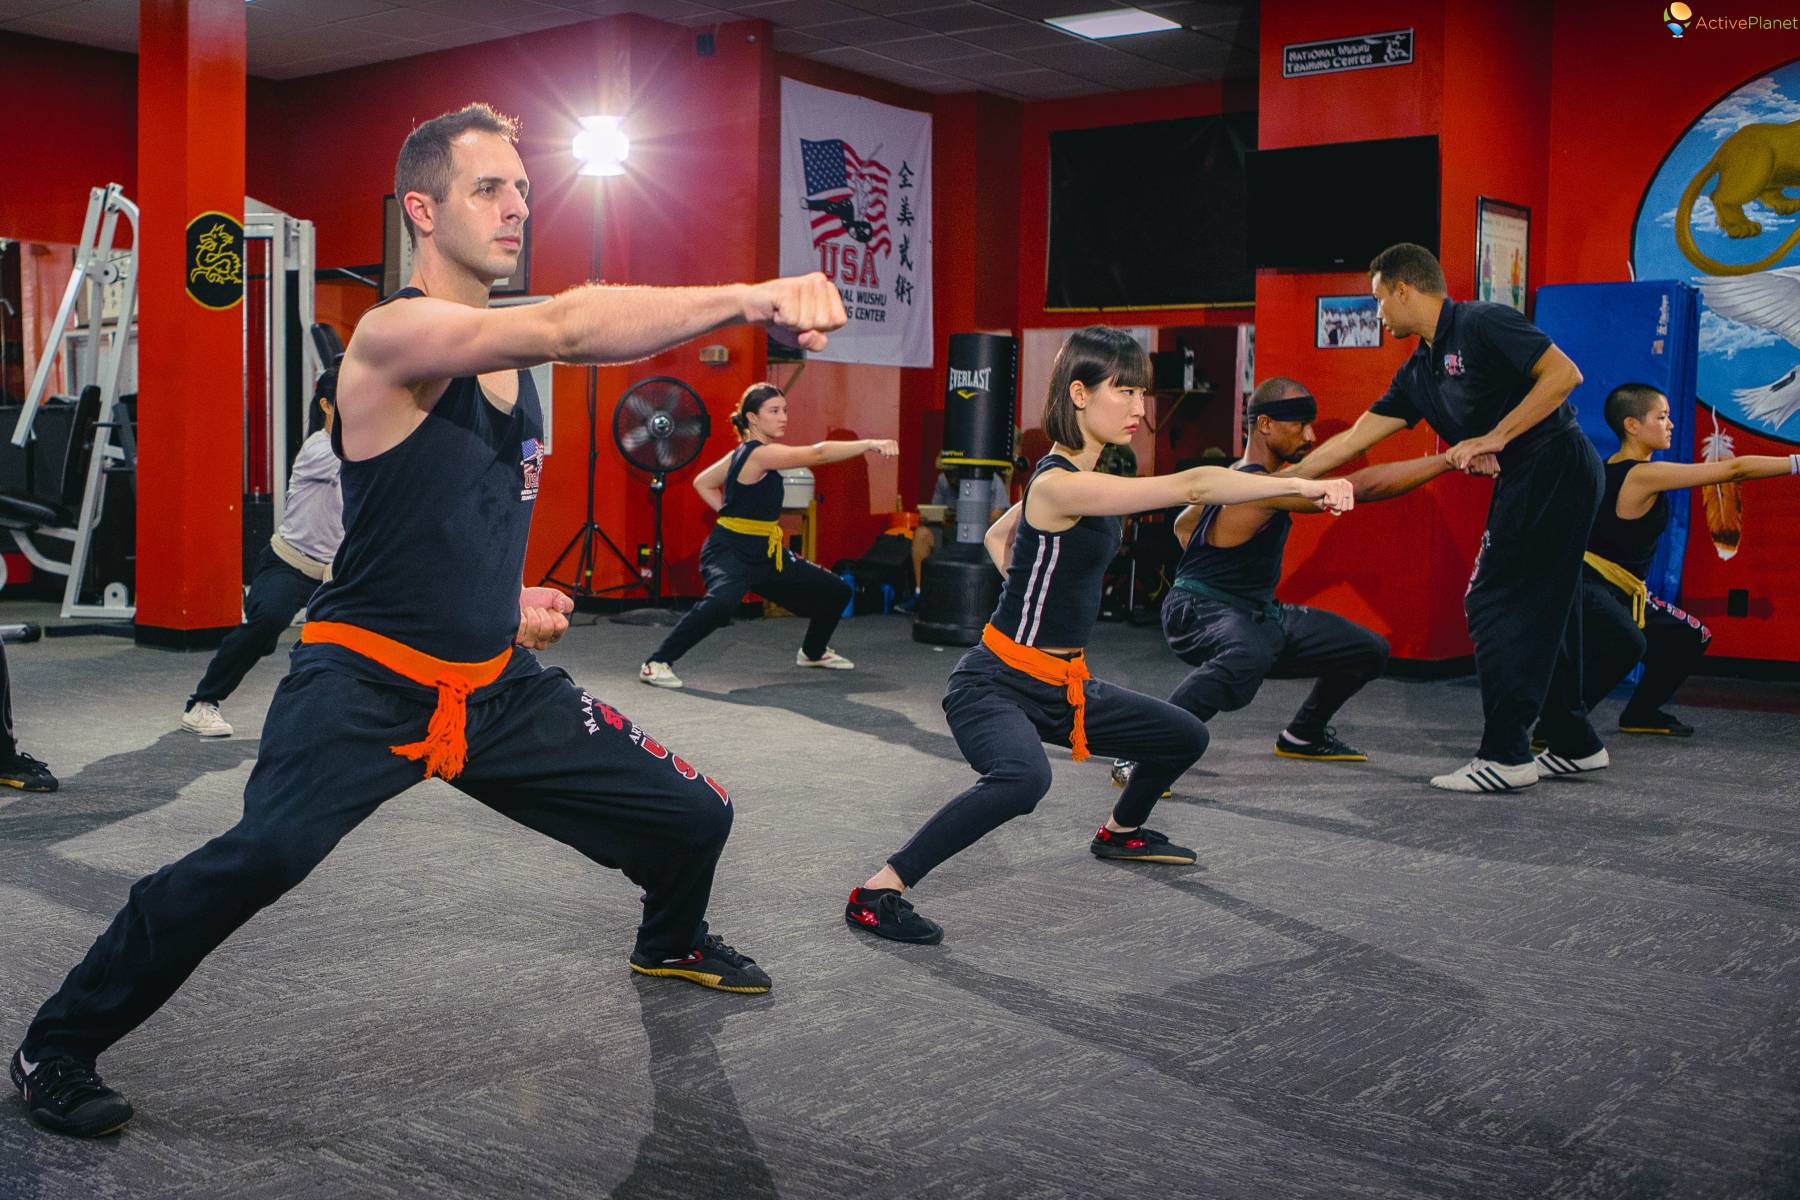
(768, 529)
(1625, 581)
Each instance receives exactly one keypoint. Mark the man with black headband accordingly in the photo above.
(1490, 382)
(1221, 616)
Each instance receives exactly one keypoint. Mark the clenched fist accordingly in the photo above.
(799, 311)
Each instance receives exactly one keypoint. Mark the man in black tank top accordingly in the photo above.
(417, 658)
(1490, 382)
(1221, 616)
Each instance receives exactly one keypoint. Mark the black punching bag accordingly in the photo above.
(960, 585)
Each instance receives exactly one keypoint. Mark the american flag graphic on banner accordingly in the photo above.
(846, 194)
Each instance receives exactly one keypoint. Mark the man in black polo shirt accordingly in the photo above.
(1490, 382)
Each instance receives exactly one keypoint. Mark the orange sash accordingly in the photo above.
(1047, 668)
(446, 746)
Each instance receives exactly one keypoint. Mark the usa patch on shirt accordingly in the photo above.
(531, 462)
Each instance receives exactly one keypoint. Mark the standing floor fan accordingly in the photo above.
(659, 426)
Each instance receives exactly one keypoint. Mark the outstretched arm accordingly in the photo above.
(1340, 448)
(425, 339)
(819, 454)
(1075, 494)
(1643, 483)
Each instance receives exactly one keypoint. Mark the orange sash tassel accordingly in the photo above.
(445, 748)
(1048, 668)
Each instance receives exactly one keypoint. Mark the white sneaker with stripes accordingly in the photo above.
(1482, 775)
(831, 661)
(1550, 763)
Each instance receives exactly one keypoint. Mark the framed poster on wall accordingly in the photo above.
(1347, 323)
(1502, 252)
(397, 255)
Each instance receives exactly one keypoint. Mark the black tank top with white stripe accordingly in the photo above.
(1052, 592)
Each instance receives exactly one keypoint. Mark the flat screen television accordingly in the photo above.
(1150, 214)
(1335, 207)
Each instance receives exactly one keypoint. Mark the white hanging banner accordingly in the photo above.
(856, 204)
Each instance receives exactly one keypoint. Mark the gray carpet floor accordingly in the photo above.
(1365, 988)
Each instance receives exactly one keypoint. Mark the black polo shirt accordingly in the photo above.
(1471, 374)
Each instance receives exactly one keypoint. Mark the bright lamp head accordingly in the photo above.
(601, 146)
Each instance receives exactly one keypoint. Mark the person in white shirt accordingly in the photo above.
(288, 570)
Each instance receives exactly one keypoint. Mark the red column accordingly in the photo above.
(190, 357)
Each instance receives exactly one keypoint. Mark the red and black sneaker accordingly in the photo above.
(1139, 845)
(886, 914)
(66, 1095)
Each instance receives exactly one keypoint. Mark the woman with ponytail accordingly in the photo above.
(746, 551)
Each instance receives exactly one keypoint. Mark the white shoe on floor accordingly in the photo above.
(833, 661)
(1550, 763)
(658, 674)
(1483, 775)
(204, 719)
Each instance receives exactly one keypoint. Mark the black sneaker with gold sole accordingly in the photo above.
(711, 964)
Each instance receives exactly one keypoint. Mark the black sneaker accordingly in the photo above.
(1121, 774)
(1139, 845)
(885, 913)
(1658, 722)
(65, 1094)
(712, 964)
(26, 773)
(1323, 749)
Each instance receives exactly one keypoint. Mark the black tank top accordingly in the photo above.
(759, 501)
(435, 528)
(1252, 569)
(1631, 544)
(1052, 591)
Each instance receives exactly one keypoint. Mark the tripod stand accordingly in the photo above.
(581, 587)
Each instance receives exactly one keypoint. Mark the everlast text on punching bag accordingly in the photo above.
(960, 585)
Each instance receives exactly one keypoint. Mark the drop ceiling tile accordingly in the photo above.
(1038, 10)
(800, 14)
(1020, 35)
(320, 12)
(864, 31)
(958, 17)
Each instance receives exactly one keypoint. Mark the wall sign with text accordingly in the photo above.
(1392, 49)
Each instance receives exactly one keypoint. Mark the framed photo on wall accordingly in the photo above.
(1502, 252)
(1347, 323)
(396, 255)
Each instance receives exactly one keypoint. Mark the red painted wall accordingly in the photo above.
(1412, 593)
(1601, 159)
(71, 125)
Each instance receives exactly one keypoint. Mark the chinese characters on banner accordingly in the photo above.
(856, 204)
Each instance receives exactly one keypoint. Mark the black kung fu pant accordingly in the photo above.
(1232, 651)
(277, 592)
(541, 751)
(1670, 645)
(1001, 717)
(735, 563)
(1522, 601)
